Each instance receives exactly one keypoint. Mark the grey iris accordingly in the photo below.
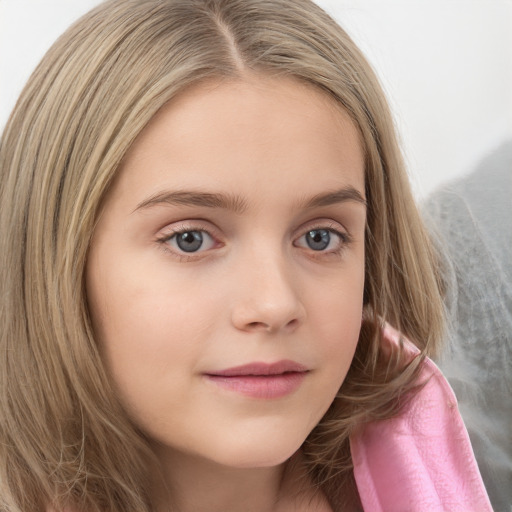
(190, 241)
(318, 239)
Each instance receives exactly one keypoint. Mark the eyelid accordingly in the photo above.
(185, 225)
(323, 223)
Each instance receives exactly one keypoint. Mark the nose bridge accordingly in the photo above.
(268, 297)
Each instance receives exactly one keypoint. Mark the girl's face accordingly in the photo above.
(225, 276)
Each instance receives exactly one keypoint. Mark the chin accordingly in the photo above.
(259, 453)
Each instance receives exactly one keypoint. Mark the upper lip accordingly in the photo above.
(260, 368)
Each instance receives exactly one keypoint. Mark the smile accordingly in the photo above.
(261, 380)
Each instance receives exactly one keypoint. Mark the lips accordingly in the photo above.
(261, 380)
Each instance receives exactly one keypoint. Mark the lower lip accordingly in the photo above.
(261, 386)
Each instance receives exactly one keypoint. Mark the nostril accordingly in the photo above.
(257, 325)
(254, 326)
(292, 323)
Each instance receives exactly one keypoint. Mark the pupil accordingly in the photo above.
(190, 241)
(318, 239)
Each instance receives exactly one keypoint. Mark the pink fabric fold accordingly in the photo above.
(422, 460)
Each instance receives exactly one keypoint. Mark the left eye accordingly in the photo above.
(191, 241)
(320, 240)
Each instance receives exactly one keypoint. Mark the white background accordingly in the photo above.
(446, 66)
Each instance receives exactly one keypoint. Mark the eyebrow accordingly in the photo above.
(195, 198)
(341, 195)
(238, 205)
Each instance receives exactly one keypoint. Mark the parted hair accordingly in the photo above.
(65, 441)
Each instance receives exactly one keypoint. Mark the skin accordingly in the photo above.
(254, 291)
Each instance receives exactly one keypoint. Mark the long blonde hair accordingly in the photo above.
(64, 439)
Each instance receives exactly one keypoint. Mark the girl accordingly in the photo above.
(206, 227)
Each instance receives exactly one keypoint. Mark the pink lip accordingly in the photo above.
(261, 380)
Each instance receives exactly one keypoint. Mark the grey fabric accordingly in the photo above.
(472, 221)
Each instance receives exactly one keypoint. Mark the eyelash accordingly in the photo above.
(344, 237)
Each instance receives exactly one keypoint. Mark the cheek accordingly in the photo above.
(137, 303)
(336, 316)
(148, 330)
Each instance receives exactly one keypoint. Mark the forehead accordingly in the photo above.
(244, 133)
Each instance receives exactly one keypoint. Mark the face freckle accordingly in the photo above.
(225, 276)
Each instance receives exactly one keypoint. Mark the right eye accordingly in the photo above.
(190, 241)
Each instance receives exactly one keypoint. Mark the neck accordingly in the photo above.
(191, 484)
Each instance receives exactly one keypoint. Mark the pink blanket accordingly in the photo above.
(422, 460)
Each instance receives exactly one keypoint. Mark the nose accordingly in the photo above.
(267, 298)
